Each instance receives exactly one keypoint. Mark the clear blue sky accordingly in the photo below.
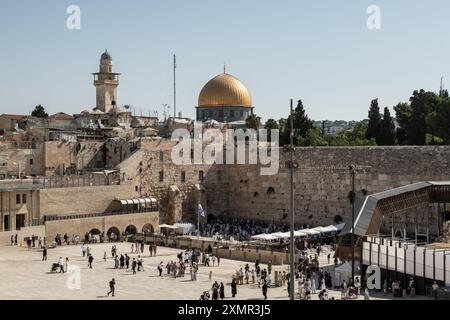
(319, 51)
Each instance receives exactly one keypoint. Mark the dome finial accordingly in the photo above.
(224, 67)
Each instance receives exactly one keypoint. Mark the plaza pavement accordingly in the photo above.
(26, 276)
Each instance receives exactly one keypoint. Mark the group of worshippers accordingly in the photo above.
(125, 261)
(239, 229)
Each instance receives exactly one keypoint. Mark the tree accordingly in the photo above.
(271, 124)
(402, 115)
(39, 112)
(301, 121)
(373, 129)
(387, 132)
(422, 103)
(253, 122)
(314, 138)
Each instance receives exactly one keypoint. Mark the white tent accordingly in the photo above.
(343, 272)
(310, 232)
(167, 226)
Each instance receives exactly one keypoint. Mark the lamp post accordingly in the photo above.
(352, 200)
(291, 170)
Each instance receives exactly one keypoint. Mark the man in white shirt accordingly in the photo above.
(61, 265)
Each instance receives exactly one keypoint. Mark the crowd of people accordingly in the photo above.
(239, 229)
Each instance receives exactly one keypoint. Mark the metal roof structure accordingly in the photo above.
(391, 201)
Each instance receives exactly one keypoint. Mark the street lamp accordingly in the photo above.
(352, 169)
(291, 170)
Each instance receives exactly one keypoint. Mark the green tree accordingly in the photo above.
(402, 115)
(314, 138)
(373, 129)
(271, 124)
(302, 124)
(39, 111)
(422, 103)
(253, 122)
(387, 132)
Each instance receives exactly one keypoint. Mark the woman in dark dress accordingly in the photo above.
(222, 291)
(215, 291)
(233, 287)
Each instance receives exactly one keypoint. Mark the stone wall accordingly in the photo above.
(81, 200)
(322, 181)
(103, 224)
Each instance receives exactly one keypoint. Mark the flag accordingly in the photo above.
(201, 211)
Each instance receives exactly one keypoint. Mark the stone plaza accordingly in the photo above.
(26, 276)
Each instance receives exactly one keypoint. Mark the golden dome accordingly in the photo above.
(224, 90)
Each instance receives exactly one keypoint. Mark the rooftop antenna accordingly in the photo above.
(174, 86)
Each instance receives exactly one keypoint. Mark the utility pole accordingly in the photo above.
(352, 199)
(174, 86)
(291, 170)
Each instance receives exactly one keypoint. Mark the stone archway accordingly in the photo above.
(113, 234)
(148, 228)
(95, 232)
(130, 230)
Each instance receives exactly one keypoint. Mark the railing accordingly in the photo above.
(100, 214)
(78, 181)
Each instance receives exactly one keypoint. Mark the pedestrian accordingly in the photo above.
(90, 260)
(44, 254)
(132, 248)
(133, 265)
(12, 240)
(435, 288)
(61, 265)
(222, 291)
(127, 260)
(215, 291)
(264, 290)
(104, 256)
(160, 269)
(218, 261)
(210, 275)
(112, 287)
(213, 258)
(67, 263)
(253, 276)
(233, 287)
(15, 239)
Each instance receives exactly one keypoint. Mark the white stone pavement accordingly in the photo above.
(26, 276)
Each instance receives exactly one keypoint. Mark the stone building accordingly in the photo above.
(106, 82)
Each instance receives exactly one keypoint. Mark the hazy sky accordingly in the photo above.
(319, 51)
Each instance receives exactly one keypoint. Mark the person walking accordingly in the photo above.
(12, 240)
(61, 265)
(83, 250)
(112, 287)
(127, 260)
(67, 263)
(133, 265)
(264, 290)
(218, 261)
(160, 269)
(44, 254)
(215, 291)
(90, 260)
(222, 291)
(104, 256)
(233, 287)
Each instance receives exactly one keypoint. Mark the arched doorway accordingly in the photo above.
(95, 232)
(130, 230)
(113, 234)
(148, 228)
(94, 236)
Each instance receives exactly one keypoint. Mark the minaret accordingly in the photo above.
(106, 82)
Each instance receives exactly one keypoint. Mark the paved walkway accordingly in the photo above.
(26, 276)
